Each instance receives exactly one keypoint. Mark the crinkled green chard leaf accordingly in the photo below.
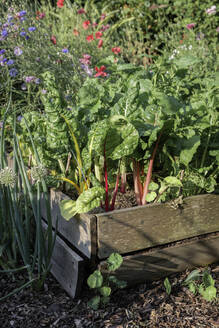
(117, 135)
(89, 199)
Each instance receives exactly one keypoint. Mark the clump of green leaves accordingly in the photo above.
(201, 283)
(103, 285)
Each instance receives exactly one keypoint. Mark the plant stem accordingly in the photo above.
(137, 182)
(106, 182)
(149, 173)
(115, 192)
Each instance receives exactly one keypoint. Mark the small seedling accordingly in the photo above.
(104, 285)
(167, 286)
(206, 288)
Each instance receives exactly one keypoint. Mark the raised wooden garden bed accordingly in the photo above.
(154, 240)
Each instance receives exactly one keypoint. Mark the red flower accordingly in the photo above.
(100, 71)
(53, 39)
(98, 35)
(90, 38)
(100, 43)
(86, 24)
(116, 50)
(60, 3)
(81, 11)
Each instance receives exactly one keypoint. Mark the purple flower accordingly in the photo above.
(4, 33)
(17, 51)
(22, 13)
(1, 124)
(10, 62)
(190, 26)
(43, 91)
(37, 81)
(31, 29)
(65, 50)
(10, 18)
(29, 79)
(211, 10)
(22, 33)
(13, 72)
(2, 51)
(87, 70)
(19, 118)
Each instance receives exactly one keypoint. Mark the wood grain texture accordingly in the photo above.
(79, 230)
(159, 263)
(138, 228)
(67, 267)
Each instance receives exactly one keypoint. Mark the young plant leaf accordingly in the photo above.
(190, 147)
(207, 279)
(94, 302)
(167, 285)
(151, 196)
(194, 275)
(114, 261)
(173, 182)
(209, 293)
(192, 287)
(95, 280)
(105, 291)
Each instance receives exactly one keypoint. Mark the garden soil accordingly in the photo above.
(146, 305)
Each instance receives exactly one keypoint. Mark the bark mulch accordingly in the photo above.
(146, 305)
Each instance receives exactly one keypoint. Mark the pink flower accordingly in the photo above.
(100, 43)
(53, 39)
(100, 71)
(105, 27)
(217, 29)
(98, 35)
(190, 26)
(85, 60)
(116, 50)
(90, 38)
(211, 10)
(94, 24)
(102, 17)
(86, 24)
(81, 11)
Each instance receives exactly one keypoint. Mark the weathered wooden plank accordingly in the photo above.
(79, 230)
(67, 267)
(138, 228)
(158, 263)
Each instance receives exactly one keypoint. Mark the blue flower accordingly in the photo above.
(13, 72)
(37, 81)
(22, 33)
(31, 29)
(2, 51)
(65, 50)
(10, 62)
(4, 33)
